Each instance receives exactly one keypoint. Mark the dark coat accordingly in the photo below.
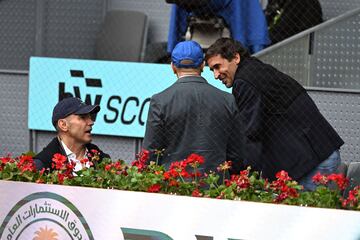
(191, 116)
(44, 158)
(284, 128)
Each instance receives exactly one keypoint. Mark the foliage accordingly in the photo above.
(183, 178)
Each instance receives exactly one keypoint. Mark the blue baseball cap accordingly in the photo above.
(72, 105)
(187, 54)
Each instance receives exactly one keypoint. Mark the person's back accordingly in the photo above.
(192, 116)
(197, 119)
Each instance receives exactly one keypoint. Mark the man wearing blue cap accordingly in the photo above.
(191, 116)
(73, 121)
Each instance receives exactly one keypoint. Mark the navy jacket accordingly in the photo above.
(44, 158)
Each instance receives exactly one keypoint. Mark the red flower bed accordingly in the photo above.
(183, 178)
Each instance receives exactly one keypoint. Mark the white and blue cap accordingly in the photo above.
(187, 54)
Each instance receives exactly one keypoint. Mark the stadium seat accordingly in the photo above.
(122, 37)
(353, 174)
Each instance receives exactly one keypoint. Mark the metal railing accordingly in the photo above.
(324, 56)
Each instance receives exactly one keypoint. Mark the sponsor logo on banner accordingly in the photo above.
(89, 82)
(111, 103)
(44, 216)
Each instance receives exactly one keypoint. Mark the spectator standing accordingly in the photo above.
(191, 116)
(284, 129)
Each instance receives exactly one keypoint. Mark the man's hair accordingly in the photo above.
(227, 48)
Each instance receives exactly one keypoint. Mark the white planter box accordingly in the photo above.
(28, 210)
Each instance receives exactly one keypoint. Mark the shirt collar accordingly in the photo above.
(69, 153)
(184, 79)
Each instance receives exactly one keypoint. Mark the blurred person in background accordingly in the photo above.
(284, 128)
(192, 116)
(73, 121)
(286, 18)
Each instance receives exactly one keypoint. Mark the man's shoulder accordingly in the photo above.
(163, 92)
(48, 152)
(92, 146)
(219, 94)
(175, 89)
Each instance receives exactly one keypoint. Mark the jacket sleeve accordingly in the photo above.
(154, 134)
(104, 155)
(249, 102)
(38, 164)
(235, 147)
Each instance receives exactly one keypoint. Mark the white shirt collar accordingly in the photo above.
(68, 152)
(72, 157)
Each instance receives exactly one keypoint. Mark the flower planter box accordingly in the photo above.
(30, 211)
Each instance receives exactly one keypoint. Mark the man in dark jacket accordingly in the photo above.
(284, 128)
(191, 116)
(72, 119)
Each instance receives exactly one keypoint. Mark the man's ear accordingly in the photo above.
(173, 68)
(62, 125)
(202, 67)
(237, 58)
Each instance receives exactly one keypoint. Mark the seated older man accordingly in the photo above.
(73, 121)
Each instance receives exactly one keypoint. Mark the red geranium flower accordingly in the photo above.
(84, 160)
(141, 160)
(61, 178)
(26, 163)
(154, 188)
(5, 160)
(352, 199)
(194, 160)
(318, 178)
(174, 183)
(196, 193)
(242, 181)
(58, 161)
(340, 180)
(94, 151)
(282, 187)
(69, 168)
(108, 167)
(283, 175)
